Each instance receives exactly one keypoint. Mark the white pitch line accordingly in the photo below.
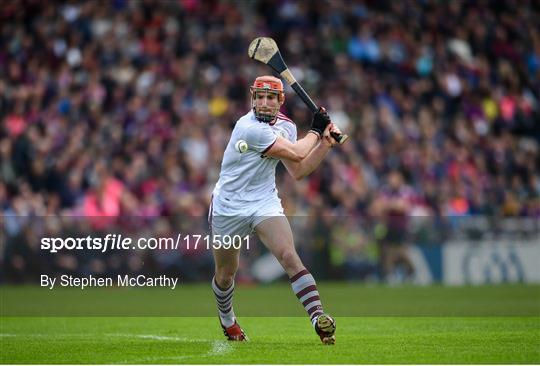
(218, 348)
(156, 337)
(153, 359)
(153, 337)
(161, 338)
(34, 335)
(112, 335)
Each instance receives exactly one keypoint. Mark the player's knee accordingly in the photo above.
(289, 259)
(225, 276)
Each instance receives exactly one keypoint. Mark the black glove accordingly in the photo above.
(321, 119)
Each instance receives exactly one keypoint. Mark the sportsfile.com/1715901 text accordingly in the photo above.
(121, 242)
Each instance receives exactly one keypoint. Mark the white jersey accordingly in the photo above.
(250, 177)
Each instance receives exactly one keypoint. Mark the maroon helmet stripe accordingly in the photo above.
(299, 274)
(306, 290)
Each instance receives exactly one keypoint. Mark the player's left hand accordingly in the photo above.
(320, 121)
(327, 138)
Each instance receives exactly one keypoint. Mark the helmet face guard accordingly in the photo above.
(263, 87)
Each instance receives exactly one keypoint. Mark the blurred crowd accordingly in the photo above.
(123, 108)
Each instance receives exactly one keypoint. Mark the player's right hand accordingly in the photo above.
(327, 137)
(320, 121)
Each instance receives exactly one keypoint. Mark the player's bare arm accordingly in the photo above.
(284, 149)
(298, 151)
(306, 166)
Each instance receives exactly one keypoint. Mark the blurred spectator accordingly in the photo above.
(391, 209)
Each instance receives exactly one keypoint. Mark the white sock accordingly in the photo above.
(305, 288)
(224, 300)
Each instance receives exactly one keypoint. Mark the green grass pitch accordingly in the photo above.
(488, 324)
